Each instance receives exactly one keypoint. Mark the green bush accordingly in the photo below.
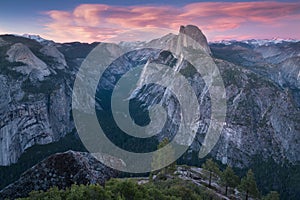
(125, 189)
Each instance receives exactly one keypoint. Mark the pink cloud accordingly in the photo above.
(99, 22)
(232, 37)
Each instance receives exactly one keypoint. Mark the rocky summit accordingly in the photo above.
(196, 34)
(261, 80)
(61, 170)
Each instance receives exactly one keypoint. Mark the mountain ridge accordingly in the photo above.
(262, 96)
(274, 40)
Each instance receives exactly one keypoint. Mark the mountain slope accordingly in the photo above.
(262, 93)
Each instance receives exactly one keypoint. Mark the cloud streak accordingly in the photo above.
(99, 22)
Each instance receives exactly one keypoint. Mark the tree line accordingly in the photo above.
(247, 184)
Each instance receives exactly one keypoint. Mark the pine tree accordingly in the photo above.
(248, 185)
(159, 159)
(229, 179)
(212, 167)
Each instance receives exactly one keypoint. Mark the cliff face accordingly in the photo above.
(262, 97)
(262, 111)
(278, 62)
(262, 119)
(35, 97)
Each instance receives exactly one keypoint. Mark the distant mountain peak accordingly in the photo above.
(258, 42)
(37, 38)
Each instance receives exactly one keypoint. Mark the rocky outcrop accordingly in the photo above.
(61, 170)
(21, 53)
(58, 57)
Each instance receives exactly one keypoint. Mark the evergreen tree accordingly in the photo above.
(159, 159)
(229, 179)
(212, 167)
(248, 185)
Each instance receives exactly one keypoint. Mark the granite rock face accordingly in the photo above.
(21, 53)
(52, 51)
(61, 170)
(35, 103)
(262, 119)
(262, 92)
(279, 62)
(262, 116)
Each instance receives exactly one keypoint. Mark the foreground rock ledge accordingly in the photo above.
(61, 170)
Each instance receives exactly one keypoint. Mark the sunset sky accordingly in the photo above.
(116, 20)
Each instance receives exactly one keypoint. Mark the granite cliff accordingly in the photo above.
(261, 82)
